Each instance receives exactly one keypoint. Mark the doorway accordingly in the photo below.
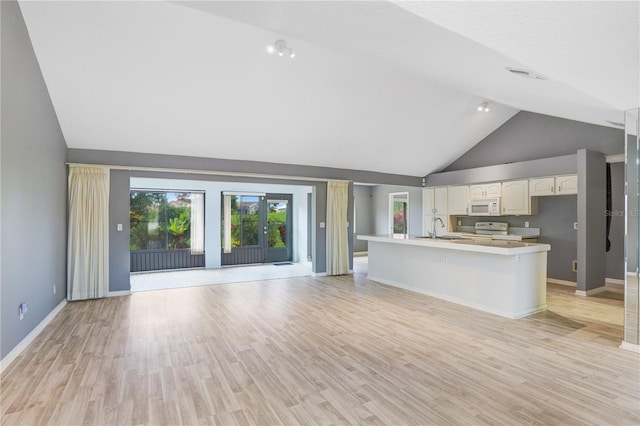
(256, 228)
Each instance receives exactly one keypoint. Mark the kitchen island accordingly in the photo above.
(506, 278)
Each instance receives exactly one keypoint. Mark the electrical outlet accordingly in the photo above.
(575, 225)
(574, 266)
(22, 309)
(526, 224)
(54, 289)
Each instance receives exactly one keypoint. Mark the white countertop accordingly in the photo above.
(480, 245)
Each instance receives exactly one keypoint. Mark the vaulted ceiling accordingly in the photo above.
(375, 85)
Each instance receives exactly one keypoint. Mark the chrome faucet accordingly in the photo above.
(433, 229)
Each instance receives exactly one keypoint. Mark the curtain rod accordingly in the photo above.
(201, 172)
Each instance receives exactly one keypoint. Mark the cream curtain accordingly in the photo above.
(337, 235)
(88, 238)
(197, 223)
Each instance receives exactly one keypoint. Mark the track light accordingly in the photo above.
(484, 107)
(280, 48)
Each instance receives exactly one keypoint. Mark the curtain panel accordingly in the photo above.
(88, 237)
(197, 223)
(337, 232)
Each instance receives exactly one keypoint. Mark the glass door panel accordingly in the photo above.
(278, 228)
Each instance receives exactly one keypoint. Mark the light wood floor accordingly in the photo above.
(320, 350)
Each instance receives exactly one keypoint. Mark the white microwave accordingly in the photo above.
(488, 207)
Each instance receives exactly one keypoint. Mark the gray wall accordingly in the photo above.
(551, 166)
(614, 266)
(363, 195)
(34, 186)
(555, 218)
(592, 196)
(380, 208)
(119, 240)
(235, 166)
(529, 136)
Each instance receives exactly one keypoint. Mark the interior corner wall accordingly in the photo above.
(380, 208)
(592, 195)
(34, 187)
(363, 215)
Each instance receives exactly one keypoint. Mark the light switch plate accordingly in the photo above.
(322, 225)
(575, 225)
(119, 227)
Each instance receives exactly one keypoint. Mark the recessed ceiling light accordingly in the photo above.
(525, 73)
(615, 123)
(281, 49)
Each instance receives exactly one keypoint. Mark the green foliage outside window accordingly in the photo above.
(245, 223)
(159, 220)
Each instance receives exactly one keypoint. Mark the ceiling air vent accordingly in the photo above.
(526, 73)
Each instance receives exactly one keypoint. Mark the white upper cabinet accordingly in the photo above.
(566, 185)
(558, 185)
(542, 186)
(458, 200)
(434, 198)
(441, 201)
(516, 200)
(485, 190)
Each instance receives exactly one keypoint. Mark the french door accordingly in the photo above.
(256, 228)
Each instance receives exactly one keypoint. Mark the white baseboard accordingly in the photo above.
(562, 282)
(591, 292)
(630, 347)
(119, 293)
(614, 282)
(15, 352)
(319, 274)
(360, 253)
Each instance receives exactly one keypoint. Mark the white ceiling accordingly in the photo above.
(380, 86)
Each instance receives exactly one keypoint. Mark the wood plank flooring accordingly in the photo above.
(323, 350)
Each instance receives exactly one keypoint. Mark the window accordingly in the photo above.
(243, 214)
(161, 220)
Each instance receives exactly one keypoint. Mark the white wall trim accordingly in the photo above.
(360, 253)
(591, 292)
(614, 282)
(119, 293)
(15, 352)
(319, 274)
(630, 347)
(562, 282)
